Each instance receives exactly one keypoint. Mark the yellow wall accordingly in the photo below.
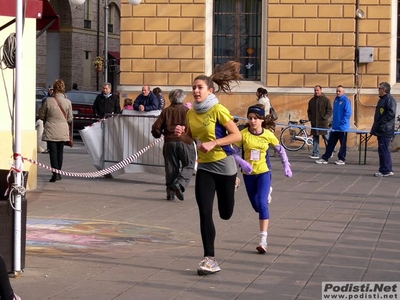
(167, 43)
(27, 119)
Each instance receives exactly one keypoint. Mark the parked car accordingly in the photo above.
(41, 93)
(82, 108)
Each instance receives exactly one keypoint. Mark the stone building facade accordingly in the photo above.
(304, 43)
(69, 53)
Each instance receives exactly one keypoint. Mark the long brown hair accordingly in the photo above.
(59, 87)
(222, 76)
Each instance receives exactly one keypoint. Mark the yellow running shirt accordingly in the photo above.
(255, 148)
(209, 126)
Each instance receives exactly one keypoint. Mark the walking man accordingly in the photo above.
(319, 111)
(383, 128)
(176, 153)
(340, 126)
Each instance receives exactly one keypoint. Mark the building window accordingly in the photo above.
(110, 25)
(87, 23)
(237, 35)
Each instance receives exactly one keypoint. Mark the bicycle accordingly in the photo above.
(295, 136)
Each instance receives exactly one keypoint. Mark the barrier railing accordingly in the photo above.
(124, 135)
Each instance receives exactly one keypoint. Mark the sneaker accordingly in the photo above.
(237, 183)
(314, 156)
(208, 266)
(269, 195)
(262, 248)
(379, 174)
(16, 297)
(179, 191)
(321, 162)
(340, 162)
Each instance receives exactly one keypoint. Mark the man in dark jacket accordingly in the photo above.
(319, 111)
(146, 101)
(383, 128)
(175, 151)
(106, 102)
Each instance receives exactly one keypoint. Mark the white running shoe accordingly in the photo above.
(208, 266)
(321, 162)
(237, 183)
(262, 248)
(340, 162)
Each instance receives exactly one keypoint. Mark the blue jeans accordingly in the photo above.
(316, 143)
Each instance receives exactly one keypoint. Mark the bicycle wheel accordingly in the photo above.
(293, 138)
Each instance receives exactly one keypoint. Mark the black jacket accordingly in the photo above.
(103, 105)
(385, 116)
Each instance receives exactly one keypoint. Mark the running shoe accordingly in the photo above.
(262, 248)
(340, 162)
(237, 183)
(208, 266)
(379, 174)
(321, 162)
(314, 156)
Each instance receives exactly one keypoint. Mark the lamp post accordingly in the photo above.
(106, 7)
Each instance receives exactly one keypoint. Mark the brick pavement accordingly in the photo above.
(102, 239)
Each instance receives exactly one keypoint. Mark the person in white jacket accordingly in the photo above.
(262, 98)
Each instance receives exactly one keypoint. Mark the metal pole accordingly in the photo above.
(106, 41)
(98, 41)
(17, 132)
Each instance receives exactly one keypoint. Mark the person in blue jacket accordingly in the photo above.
(383, 128)
(340, 125)
(146, 101)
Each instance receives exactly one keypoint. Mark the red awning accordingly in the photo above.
(49, 18)
(115, 55)
(38, 9)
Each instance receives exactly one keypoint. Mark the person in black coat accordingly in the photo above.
(383, 128)
(6, 291)
(106, 102)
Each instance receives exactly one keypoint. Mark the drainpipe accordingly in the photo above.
(356, 79)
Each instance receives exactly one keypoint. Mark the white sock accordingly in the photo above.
(263, 237)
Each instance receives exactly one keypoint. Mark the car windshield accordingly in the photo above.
(81, 97)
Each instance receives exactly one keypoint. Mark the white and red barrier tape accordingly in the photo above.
(100, 173)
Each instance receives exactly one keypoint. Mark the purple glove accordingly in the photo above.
(287, 170)
(284, 159)
(246, 167)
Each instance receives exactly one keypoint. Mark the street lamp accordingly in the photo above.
(106, 6)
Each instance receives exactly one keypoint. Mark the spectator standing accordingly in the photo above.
(211, 125)
(146, 101)
(49, 92)
(176, 153)
(383, 128)
(262, 98)
(319, 111)
(256, 138)
(158, 92)
(340, 125)
(56, 113)
(106, 102)
(6, 291)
